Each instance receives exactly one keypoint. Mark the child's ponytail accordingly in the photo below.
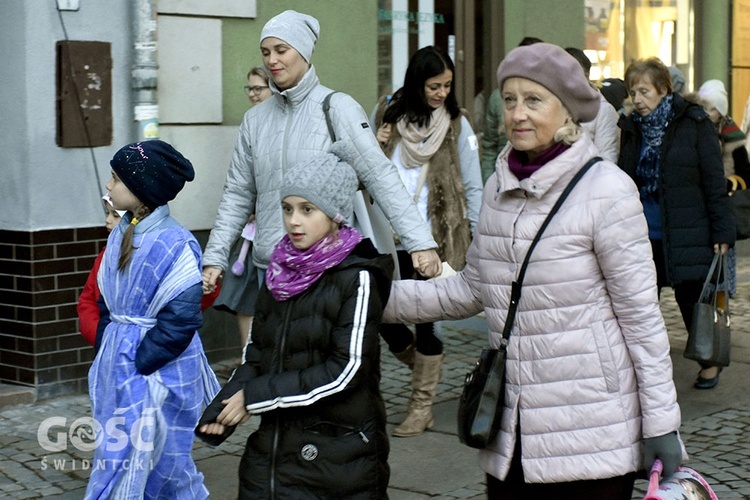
(126, 249)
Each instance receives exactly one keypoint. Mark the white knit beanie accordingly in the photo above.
(108, 200)
(298, 30)
(713, 92)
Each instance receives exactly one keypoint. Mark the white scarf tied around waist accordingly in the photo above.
(141, 321)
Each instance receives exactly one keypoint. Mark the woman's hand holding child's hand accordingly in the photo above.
(427, 263)
(210, 276)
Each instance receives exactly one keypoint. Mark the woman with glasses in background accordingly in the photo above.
(257, 85)
(240, 286)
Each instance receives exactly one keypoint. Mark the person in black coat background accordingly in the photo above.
(668, 146)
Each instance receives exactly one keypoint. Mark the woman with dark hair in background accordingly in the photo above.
(425, 134)
(240, 287)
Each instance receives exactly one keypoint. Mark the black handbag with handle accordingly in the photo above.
(483, 397)
(709, 336)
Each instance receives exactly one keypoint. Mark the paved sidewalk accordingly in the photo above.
(716, 427)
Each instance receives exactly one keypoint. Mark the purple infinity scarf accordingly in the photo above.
(522, 167)
(292, 271)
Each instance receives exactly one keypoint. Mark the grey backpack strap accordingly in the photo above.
(326, 111)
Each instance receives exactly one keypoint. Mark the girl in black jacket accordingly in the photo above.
(312, 366)
(669, 147)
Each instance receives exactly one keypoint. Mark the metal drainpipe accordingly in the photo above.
(145, 70)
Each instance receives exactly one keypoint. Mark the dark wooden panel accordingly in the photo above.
(84, 94)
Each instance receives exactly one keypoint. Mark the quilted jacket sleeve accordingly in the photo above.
(176, 325)
(607, 135)
(471, 173)
(455, 297)
(237, 201)
(621, 242)
(379, 175)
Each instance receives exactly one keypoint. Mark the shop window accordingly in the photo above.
(621, 31)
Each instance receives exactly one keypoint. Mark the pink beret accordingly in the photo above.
(559, 72)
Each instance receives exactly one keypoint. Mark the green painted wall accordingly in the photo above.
(345, 57)
(712, 47)
(551, 20)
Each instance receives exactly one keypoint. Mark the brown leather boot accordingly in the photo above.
(424, 380)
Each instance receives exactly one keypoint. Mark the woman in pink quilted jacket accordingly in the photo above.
(589, 396)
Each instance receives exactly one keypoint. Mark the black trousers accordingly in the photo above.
(686, 293)
(398, 336)
(514, 487)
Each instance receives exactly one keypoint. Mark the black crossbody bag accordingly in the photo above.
(483, 398)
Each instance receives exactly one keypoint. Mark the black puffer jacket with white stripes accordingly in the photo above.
(313, 372)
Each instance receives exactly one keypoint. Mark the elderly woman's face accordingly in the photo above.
(285, 65)
(531, 114)
(646, 97)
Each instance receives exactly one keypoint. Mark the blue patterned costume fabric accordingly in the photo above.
(147, 421)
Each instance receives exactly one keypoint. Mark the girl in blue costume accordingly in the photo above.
(150, 378)
(312, 364)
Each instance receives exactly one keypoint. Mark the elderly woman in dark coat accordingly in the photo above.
(669, 148)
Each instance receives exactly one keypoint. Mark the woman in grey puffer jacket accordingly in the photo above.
(289, 128)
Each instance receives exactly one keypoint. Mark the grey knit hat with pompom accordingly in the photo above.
(327, 180)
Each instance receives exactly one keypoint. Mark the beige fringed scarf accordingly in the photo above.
(419, 144)
(446, 204)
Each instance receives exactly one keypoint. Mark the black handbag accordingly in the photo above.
(483, 393)
(710, 333)
(483, 397)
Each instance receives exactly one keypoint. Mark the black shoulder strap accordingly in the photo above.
(515, 292)
(326, 111)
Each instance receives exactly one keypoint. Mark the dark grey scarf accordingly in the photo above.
(653, 126)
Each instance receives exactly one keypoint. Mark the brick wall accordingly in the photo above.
(41, 275)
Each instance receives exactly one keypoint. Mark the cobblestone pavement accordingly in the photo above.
(718, 442)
